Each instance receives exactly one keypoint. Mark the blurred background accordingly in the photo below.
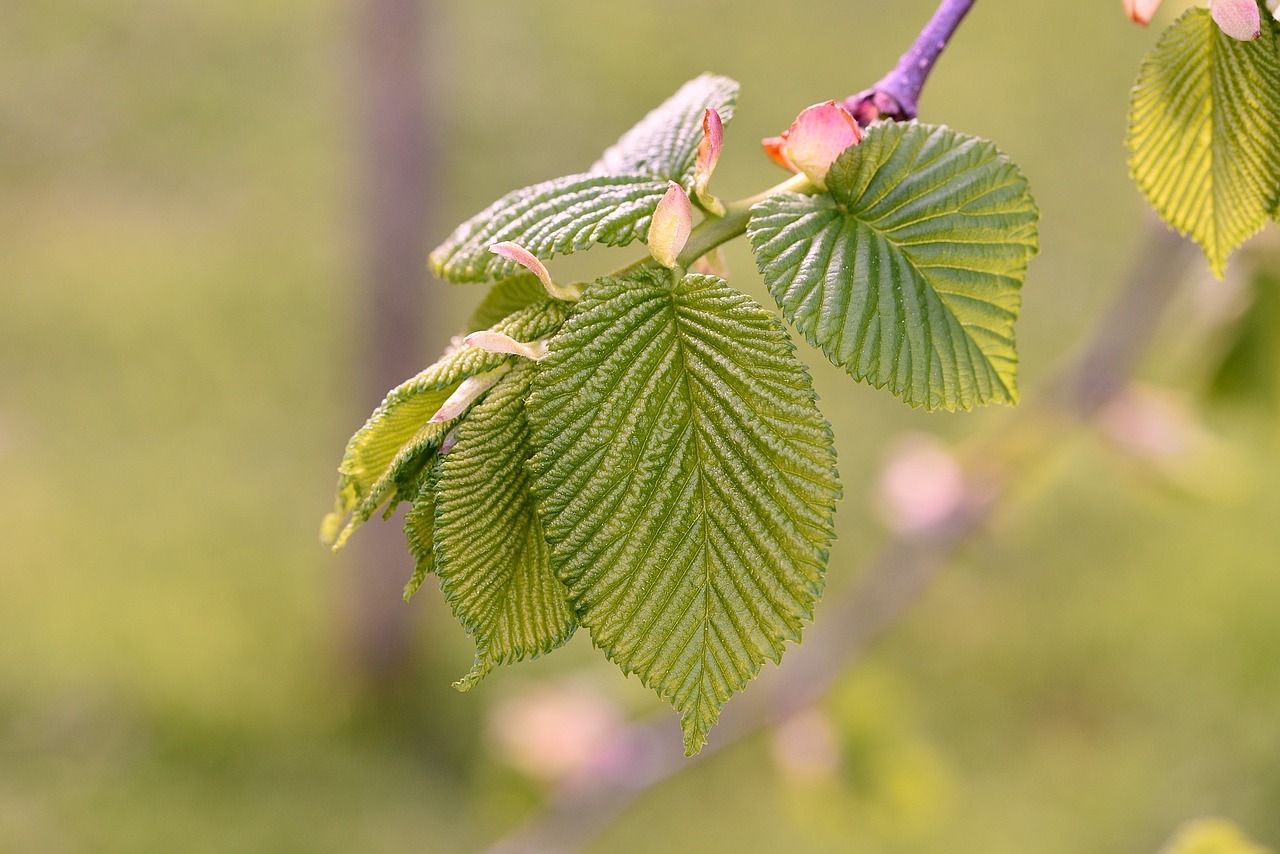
(213, 225)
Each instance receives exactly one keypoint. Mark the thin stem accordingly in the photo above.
(897, 95)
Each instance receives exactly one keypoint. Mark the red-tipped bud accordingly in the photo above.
(670, 227)
(708, 156)
(818, 136)
(1239, 19)
(1141, 11)
(776, 148)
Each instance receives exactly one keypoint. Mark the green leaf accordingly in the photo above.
(506, 298)
(1204, 132)
(611, 205)
(386, 456)
(907, 272)
(665, 142)
(490, 552)
(419, 531)
(552, 218)
(687, 483)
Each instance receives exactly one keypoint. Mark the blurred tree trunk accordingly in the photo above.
(397, 159)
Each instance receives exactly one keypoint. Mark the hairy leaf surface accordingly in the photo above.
(490, 553)
(1204, 132)
(386, 455)
(665, 142)
(612, 204)
(419, 530)
(687, 482)
(907, 271)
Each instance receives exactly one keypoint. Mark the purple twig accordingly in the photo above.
(897, 95)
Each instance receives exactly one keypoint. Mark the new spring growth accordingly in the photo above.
(468, 393)
(1239, 19)
(498, 342)
(816, 138)
(669, 229)
(708, 156)
(525, 258)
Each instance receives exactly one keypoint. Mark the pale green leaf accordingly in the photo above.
(419, 531)
(1204, 132)
(907, 272)
(490, 552)
(611, 205)
(687, 482)
(665, 142)
(386, 455)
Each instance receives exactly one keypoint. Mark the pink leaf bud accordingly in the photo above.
(1141, 11)
(498, 342)
(708, 156)
(525, 258)
(1239, 19)
(672, 222)
(467, 393)
(818, 136)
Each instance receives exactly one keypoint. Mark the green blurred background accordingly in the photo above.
(182, 228)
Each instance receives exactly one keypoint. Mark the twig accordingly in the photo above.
(897, 95)
(894, 580)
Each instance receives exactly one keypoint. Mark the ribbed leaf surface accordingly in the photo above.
(506, 298)
(611, 205)
(906, 272)
(687, 482)
(419, 530)
(552, 218)
(490, 553)
(665, 142)
(386, 455)
(1204, 132)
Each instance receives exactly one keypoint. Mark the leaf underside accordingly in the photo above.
(907, 271)
(687, 484)
(490, 553)
(1204, 132)
(386, 458)
(611, 205)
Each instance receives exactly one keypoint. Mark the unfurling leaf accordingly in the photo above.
(386, 457)
(1204, 132)
(489, 549)
(687, 483)
(610, 205)
(525, 258)
(672, 222)
(708, 157)
(907, 272)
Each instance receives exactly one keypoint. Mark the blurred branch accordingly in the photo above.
(651, 753)
(398, 155)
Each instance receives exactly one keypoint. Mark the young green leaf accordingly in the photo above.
(687, 483)
(906, 272)
(665, 142)
(1204, 132)
(490, 552)
(610, 205)
(506, 298)
(419, 531)
(385, 456)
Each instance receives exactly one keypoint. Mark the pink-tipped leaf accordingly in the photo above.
(1141, 11)
(708, 156)
(525, 258)
(1239, 19)
(672, 222)
(498, 342)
